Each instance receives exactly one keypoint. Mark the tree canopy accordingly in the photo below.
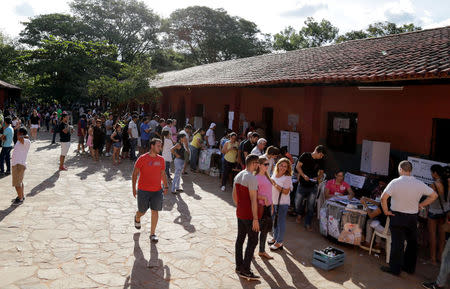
(211, 35)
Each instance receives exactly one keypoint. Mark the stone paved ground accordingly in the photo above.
(75, 230)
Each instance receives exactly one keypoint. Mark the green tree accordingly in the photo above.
(378, 29)
(130, 85)
(313, 34)
(61, 26)
(128, 24)
(61, 69)
(211, 35)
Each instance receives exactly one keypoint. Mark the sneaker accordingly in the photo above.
(62, 168)
(7, 173)
(18, 201)
(179, 190)
(222, 188)
(154, 239)
(430, 285)
(249, 276)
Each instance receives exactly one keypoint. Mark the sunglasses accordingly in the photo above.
(266, 164)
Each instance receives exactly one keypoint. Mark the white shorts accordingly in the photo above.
(34, 126)
(65, 148)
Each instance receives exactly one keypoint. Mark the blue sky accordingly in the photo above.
(271, 16)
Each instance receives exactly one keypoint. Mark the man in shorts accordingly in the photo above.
(64, 139)
(19, 163)
(150, 168)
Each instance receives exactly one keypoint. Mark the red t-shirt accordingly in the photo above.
(335, 188)
(150, 172)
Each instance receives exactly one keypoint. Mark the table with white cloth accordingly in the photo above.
(343, 219)
(204, 160)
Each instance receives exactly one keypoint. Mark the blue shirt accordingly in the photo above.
(145, 135)
(9, 133)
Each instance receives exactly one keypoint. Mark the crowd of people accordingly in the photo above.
(267, 182)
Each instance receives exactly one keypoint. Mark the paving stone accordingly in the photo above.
(75, 231)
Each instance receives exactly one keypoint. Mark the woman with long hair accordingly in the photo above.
(437, 212)
(195, 146)
(264, 204)
(178, 151)
(282, 186)
(166, 154)
(116, 139)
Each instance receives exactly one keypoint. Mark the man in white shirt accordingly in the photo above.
(133, 133)
(405, 193)
(260, 146)
(19, 163)
(211, 135)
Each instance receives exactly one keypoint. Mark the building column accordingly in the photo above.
(310, 133)
(2, 98)
(189, 105)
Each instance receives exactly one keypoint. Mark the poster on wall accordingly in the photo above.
(421, 169)
(284, 138)
(294, 143)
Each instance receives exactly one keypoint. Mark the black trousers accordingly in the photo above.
(228, 168)
(244, 230)
(265, 225)
(403, 227)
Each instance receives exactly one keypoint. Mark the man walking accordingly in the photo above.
(405, 193)
(150, 168)
(245, 198)
(64, 139)
(310, 169)
(133, 133)
(211, 136)
(19, 163)
(5, 154)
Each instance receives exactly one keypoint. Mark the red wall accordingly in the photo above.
(403, 118)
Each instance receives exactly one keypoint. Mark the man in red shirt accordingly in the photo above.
(245, 199)
(150, 168)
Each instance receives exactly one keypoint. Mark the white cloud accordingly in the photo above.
(24, 9)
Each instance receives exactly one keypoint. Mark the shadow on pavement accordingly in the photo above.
(45, 184)
(151, 274)
(184, 219)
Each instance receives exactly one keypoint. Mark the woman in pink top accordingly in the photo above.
(264, 202)
(338, 186)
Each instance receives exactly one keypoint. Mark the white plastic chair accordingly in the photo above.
(386, 234)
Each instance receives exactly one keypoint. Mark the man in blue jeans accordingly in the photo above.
(7, 138)
(309, 168)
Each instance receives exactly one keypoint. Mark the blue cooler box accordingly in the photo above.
(326, 262)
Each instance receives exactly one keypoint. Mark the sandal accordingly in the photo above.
(271, 242)
(137, 224)
(265, 255)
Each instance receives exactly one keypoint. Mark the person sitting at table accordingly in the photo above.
(338, 186)
(377, 221)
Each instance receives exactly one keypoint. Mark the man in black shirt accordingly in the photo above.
(246, 147)
(159, 127)
(64, 138)
(309, 168)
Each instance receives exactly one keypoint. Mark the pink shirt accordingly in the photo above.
(264, 189)
(335, 188)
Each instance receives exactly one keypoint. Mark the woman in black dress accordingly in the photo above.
(99, 136)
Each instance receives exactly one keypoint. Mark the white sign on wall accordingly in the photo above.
(421, 169)
(291, 139)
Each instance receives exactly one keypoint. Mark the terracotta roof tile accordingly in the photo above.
(416, 55)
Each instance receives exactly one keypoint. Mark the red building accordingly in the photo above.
(394, 89)
(7, 93)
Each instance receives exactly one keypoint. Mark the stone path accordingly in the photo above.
(75, 230)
